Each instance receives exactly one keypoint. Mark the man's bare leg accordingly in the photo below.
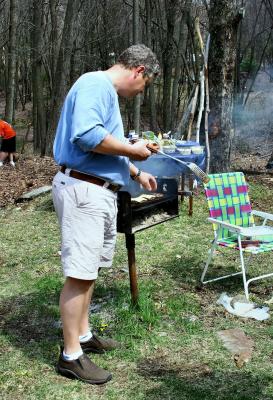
(72, 303)
(84, 325)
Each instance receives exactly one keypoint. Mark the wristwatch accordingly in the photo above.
(137, 174)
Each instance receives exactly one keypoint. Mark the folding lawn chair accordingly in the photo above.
(233, 222)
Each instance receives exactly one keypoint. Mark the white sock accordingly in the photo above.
(1, 163)
(72, 356)
(87, 336)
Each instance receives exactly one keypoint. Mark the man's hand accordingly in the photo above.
(147, 180)
(139, 151)
(113, 146)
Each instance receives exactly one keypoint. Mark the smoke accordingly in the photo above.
(254, 121)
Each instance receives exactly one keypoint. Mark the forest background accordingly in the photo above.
(216, 58)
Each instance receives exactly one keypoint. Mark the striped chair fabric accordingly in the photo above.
(228, 201)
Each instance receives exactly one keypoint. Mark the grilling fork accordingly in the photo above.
(193, 167)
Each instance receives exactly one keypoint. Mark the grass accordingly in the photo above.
(170, 346)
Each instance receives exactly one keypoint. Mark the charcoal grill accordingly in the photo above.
(136, 216)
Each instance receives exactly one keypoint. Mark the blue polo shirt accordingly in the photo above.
(90, 112)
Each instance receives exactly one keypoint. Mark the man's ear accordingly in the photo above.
(140, 69)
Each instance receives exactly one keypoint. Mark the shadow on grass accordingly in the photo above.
(187, 272)
(45, 204)
(31, 322)
(197, 381)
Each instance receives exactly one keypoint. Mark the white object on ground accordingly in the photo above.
(243, 308)
(1, 163)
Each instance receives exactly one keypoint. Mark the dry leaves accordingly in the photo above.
(240, 345)
(29, 173)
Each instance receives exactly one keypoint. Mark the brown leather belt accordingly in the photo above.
(91, 179)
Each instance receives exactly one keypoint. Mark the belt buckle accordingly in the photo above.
(106, 185)
(116, 188)
(111, 186)
(67, 171)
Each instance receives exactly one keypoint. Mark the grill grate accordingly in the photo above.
(134, 216)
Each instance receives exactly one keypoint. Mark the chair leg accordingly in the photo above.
(243, 268)
(211, 251)
(215, 243)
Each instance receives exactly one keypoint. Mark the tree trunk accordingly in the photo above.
(62, 73)
(12, 61)
(137, 99)
(152, 106)
(53, 41)
(177, 73)
(223, 20)
(39, 110)
(168, 55)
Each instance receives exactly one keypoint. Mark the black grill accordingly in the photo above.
(163, 206)
(134, 217)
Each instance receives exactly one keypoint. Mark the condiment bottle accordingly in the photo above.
(133, 136)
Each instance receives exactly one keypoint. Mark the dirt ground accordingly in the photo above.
(33, 172)
(29, 173)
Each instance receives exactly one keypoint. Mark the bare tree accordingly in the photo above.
(152, 104)
(12, 61)
(224, 16)
(172, 13)
(62, 72)
(39, 111)
(178, 64)
(69, 38)
(137, 99)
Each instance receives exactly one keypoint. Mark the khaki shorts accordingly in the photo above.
(87, 217)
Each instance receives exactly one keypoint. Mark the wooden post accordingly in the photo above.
(130, 246)
(191, 195)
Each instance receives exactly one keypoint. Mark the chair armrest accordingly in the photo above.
(230, 227)
(263, 214)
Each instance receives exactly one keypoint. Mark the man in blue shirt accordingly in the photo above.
(94, 157)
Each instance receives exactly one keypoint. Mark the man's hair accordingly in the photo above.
(137, 55)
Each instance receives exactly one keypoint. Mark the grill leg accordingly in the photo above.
(130, 246)
(182, 186)
(191, 196)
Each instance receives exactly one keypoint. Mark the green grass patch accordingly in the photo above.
(170, 348)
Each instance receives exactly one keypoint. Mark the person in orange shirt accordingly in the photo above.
(8, 145)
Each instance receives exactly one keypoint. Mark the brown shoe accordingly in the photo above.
(83, 369)
(99, 345)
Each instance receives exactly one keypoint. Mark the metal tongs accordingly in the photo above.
(154, 148)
